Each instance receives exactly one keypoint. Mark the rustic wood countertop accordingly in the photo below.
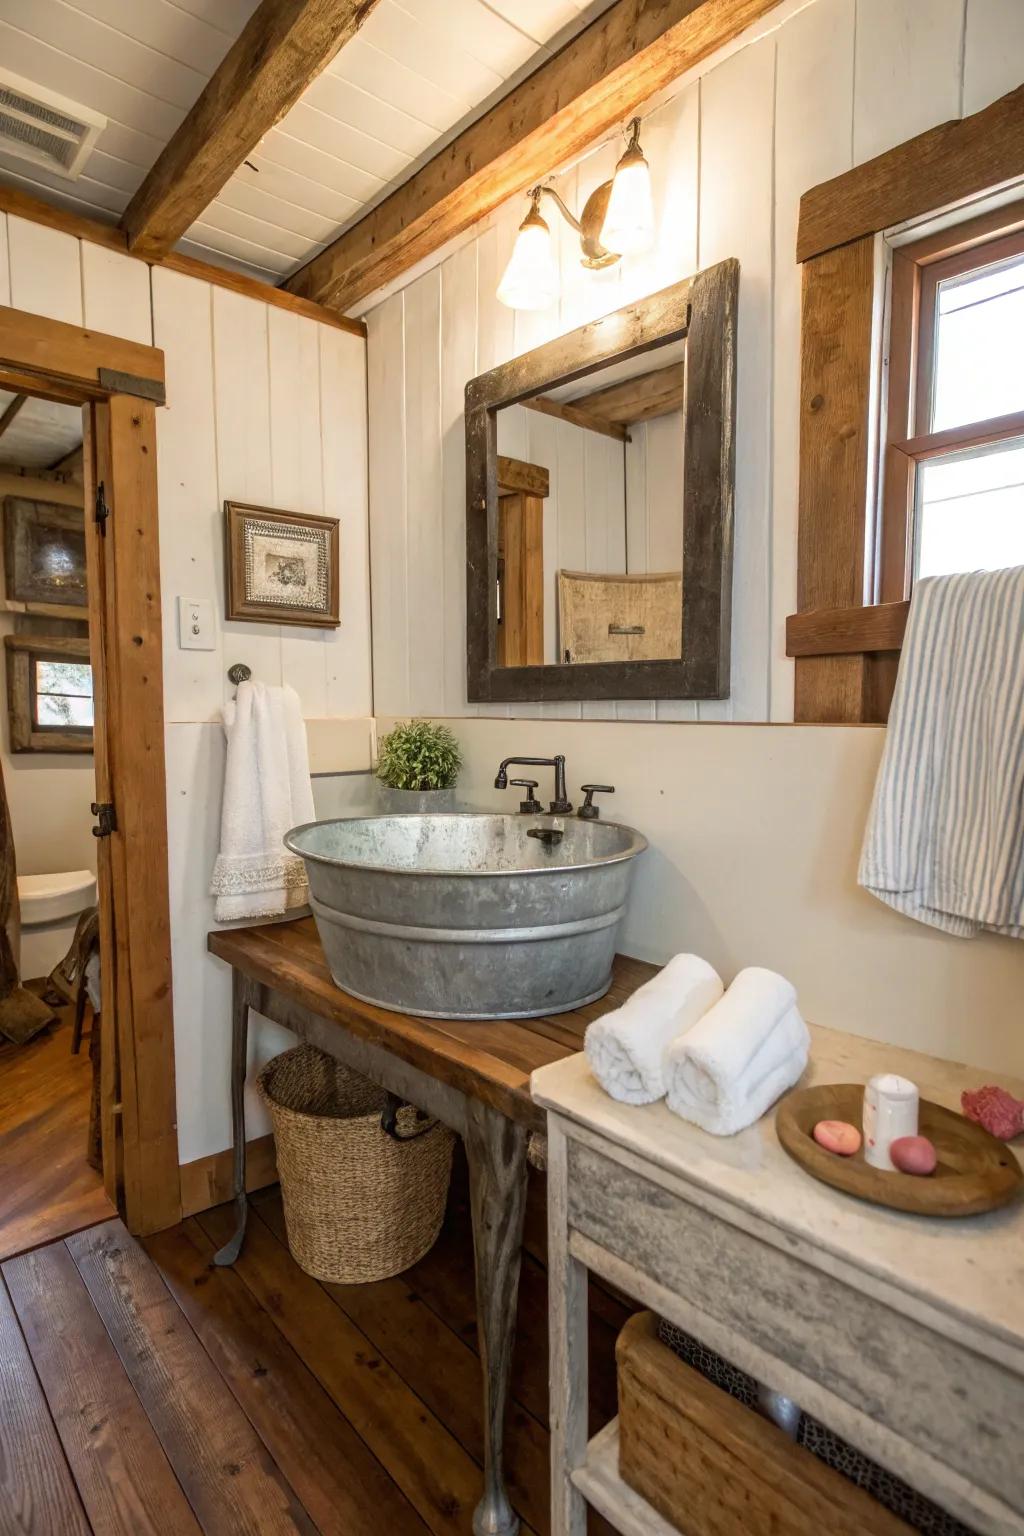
(486, 1059)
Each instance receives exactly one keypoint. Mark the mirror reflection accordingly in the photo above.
(590, 517)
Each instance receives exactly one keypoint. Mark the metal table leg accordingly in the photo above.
(496, 1151)
(242, 999)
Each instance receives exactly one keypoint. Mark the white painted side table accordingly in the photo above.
(903, 1334)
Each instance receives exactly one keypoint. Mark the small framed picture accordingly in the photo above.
(282, 567)
(44, 552)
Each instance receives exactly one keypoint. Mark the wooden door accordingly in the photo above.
(521, 552)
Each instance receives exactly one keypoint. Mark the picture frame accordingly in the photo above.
(44, 553)
(281, 567)
(46, 690)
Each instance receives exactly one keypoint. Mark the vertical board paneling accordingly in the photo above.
(908, 70)
(427, 596)
(297, 472)
(46, 271)
(813, 112)
(242, 391)
(737, 102)
(458, 363)
(115, 294)
(671, 143)
(343, 419)
(5, 266)
(389, 573)
(191, 561)
(993, 51)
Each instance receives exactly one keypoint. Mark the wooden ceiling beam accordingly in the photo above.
(282, 47)
(593, 83)
(15, 407)
(642, 398)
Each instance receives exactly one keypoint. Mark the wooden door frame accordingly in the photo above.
(119, 383)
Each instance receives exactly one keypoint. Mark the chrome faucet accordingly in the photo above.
(560, 805)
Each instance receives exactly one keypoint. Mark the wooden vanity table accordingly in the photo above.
(474, 1076)
(903, 1334)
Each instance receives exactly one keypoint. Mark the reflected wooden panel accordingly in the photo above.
(619, 618)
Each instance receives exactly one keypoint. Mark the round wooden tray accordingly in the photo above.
(975, 1171)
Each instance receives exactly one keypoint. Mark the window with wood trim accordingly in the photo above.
(953, 471)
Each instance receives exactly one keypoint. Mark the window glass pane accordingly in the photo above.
(62, 709)
(979, 346)
(970, 511)
(73, 677)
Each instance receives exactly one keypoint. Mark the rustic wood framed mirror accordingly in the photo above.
(599, 483)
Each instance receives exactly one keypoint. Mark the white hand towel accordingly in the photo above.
(729, 1069)
(626, 1048)
(267, 791)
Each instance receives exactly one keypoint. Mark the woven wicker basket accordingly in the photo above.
(359, 1204)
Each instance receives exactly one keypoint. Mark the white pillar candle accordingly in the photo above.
(890, 1111)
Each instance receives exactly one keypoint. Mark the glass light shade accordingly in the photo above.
(530, 281)
(628, 227)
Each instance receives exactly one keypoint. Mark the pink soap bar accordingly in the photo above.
(837, 1136)
(913, 1154)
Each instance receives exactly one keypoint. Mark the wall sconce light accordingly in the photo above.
(617, 220)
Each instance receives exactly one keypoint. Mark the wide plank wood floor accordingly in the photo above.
(144, 1392)
(47, 1188)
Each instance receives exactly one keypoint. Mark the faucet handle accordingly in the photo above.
(588, 810)
(531, 806)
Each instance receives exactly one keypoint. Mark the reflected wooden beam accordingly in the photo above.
(12, 412)
(515, 475)
(579, 418)
(36, 488)
(282, 47)
(631, 401)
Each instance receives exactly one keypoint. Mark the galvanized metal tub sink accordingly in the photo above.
(467, 915)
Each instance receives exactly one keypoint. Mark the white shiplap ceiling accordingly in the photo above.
(416, 72)
(41, 434)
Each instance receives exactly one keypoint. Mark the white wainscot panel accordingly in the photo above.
(813, 113)
(46, 274)
(737, 101)
(908, 70)
(993, 51)
(344, 452)
(388, 541)
(116, 294)
(191, 535)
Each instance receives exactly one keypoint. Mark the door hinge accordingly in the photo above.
(102, 510)
(107, 820)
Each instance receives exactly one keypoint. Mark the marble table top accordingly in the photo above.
(970, 1268)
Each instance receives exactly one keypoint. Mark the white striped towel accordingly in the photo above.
(945, 837)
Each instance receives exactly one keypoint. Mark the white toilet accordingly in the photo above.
(50, 908)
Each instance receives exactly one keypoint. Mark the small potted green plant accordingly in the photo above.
(417, 766)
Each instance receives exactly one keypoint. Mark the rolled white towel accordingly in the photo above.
(626, 1048)
(729, 1069)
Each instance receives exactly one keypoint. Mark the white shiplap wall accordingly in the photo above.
(834, 83)
(263, 406)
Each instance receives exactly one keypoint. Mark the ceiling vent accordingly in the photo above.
(46, 129)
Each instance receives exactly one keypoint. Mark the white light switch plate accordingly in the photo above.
(195, 624)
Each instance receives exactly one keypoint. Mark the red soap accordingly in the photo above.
(913, 1154)
(837, 1136)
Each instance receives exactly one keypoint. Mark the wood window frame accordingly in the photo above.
(24, 652)
(118, 385)
(852, 569)
(917, 271)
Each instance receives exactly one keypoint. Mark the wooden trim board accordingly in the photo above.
(588, 88)
(209, 1181)
(942, 166)
(847, 631)
(13, 200)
